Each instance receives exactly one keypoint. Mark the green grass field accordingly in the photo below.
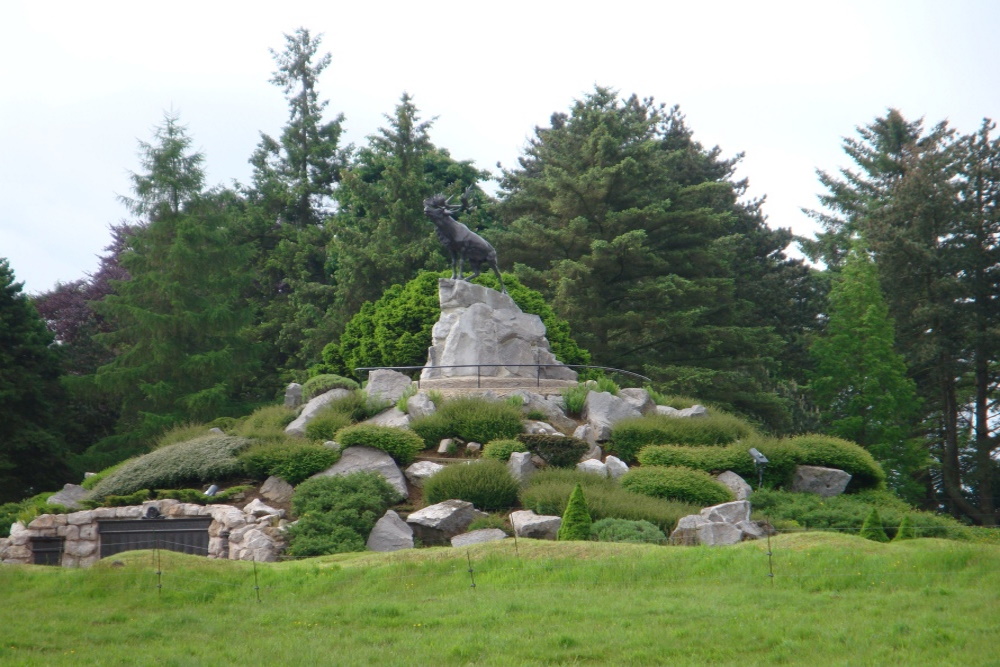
(833, 599)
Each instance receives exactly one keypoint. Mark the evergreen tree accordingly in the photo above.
(860, 380)
(627, 224)
(576, 519)
(872, 528)
(32, 457)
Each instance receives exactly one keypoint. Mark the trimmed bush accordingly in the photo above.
(576, 519)
(905, 530)
(872, 529)
(293, 460)
(717, 428)
(267, 423)
(558, 450)
(547, 492)
(336, 514)
(676, 483)
(830, 452)
(432, 429)
(500, 450)
(487, 484)
(326, 423)
(321, 384)
(400, 444)
(473, 419)
(203, 460)
(623, 530)
(783, 456)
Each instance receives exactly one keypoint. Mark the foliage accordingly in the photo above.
(630, 435)
(266, 423)
(395, 330)
(31, 455)
(207, 459)
(404, 400)
(293, 460)
(337, 513)
(872, 529)
(575, 519)
(557, 450)
(574, 398)
(905, 530)
(846, 513)
(548, 491)
(326, 423)
(401, 444)
(487, 484)
(501, 450)
(497, 521)
(471, 418)
(830, 452)
(624, 530)
(606, 384)
(676, 483)
(180, 433)
(782, 455)
(121, 500)
(27, 509)
(320, 384)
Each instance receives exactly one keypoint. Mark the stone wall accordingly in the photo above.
(232, 534)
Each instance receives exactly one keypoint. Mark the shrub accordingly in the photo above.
(326, 423)
(830, 452)
(198, 497)
(321, 384)
(557, 450)
(336, 514)
(576, 519)
(574, 398)
(717, 428)
(606, 384)
(400, 444)
(547, 492)
(472, 419)
(267, 423)
(90, 482)
(27, 509)
(202, 460)
(782, 455)
(487, 484)
(623, 530)
(293, 460)
(501, 450)
(872, 529)
(676, 483)
(905, 530)
(404, 399)
(124, 500)
(181, 433)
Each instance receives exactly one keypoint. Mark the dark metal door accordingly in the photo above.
(187, 535)
(47, 550)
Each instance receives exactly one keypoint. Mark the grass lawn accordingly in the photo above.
(834, 599)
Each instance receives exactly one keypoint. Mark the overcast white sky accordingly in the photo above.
(783, 82)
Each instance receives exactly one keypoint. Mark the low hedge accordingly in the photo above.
(559, 451)
(266, 423)
(783, 456)
(326, 423)
(676, 483)
(401, 444)
(547, 492)
(473, 419)
(625, 530)
(321, 384)
(630, 435)
(487, 484)
(500, 450)
(293, 460)
(831, 452)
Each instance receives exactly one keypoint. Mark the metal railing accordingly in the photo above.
(538, 370)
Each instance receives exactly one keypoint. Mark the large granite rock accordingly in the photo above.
(71, 496)
(593, 466)
(731, 512)
(312, 408)
(616, 467)
(358, 458)
(390, 534)
(541, 527)
(479, 325)
(393, 417)
(638, 399)
(293, 395)
(420, 405)
(826, 482)
(521, 466)
(437, 524)
(727, 523)
(277, 490)
(550, 406)
(421, 471)
(387, 385)
(602, 410)
(741, 490)
(478, 537)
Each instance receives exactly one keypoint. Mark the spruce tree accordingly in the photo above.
(872, 529)
(905, 530)
(576, 519)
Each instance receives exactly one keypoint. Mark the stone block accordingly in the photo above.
(390, 533)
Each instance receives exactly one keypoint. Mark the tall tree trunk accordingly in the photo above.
(984, 443)
(951, 471)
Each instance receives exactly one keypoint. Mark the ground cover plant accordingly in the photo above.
(487, 484)
(624, 530)
(471, 418)
(831, 452)
(782, 455)
(557, 450)
(501, 450)
(676, 483)
(630, 435)
(292, 459)
(402, 445)
(320, 384)
(833, 599)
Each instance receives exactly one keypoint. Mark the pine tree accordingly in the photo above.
(576, 519)
(32, 456)
(872, 529)
(860, 380)
(905, 530)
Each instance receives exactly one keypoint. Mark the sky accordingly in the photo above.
(782, 82)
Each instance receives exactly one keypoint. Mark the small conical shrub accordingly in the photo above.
(905, 530)
(872, 528)
(576, 518)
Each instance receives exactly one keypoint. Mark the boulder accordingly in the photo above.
(826, 482)
(480, 326)
(539, 428)
(386, 385)
(293, 395)
(751, 530)
(550, 406)
(638, 399)
(731, 512)
(478, 537)
(693, 411)
(666, 411)
(353, 459)
(741, 490)
(593, 466)
(390, 534)
(393, 417)
(420, 405)
(446, 446)
(277, 490)
(594, 452)
(586, 432)
(602, 410)
(541, 527)
(311, 409)
(437, 524)
(686, 531)
(521, 466)
(71, 496)
(420, 471)
(473, 448)
(259, 509)
(719, 533)
(616, 467)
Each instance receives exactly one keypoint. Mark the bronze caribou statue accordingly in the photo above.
(462, 243)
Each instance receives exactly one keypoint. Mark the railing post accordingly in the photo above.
(538, 375)
(479, 369)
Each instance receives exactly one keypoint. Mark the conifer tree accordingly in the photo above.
(872, 528)
(576, 519)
